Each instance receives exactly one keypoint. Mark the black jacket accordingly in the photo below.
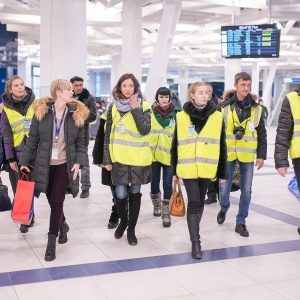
(89, 101)
(285, 130)
(39, 141)
(98, 153)
(245, 112)
(125, 174)
(199, 119)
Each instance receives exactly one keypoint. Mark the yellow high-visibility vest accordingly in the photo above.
(294, 100)
(198, 155)
(245, 149)
(19, 124)
(161, 141)
(127, 146)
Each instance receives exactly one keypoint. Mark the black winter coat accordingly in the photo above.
(89, 101)
(285, 130)
(244, 113)
(98, 153)
(125, 174)
(199, 119)
(40, 142)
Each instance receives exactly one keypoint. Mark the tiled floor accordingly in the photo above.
(93, 265)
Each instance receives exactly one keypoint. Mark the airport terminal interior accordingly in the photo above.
(95, 265)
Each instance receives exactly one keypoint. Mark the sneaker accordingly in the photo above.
(112, 225)
(25, 228)
(84, 194)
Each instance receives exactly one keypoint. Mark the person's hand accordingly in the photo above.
(98, 165)
(108, 167)
(222, 180)
(25, 168)
(134, 102)
(282, 171)
(259, 163)
(14, 166)
(76, 170)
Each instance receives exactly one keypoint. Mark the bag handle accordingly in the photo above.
(24, 176)
(176, 185)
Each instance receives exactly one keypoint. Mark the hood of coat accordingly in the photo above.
(8, 103)
(230, 93)
(79, 111)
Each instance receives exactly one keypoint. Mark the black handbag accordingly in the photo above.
(5, 202)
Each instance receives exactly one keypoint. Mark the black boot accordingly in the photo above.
(134, 210)
(64, 228)
(193, 221)
(51, 247)
(123, 214)
(114, 218)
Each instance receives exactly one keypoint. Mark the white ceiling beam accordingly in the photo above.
(20, 18)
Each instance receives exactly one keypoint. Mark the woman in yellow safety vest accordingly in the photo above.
(198, 154)
(127, 152)
(162, 130)
(15, 123)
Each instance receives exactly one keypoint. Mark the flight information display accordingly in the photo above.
(250, 41)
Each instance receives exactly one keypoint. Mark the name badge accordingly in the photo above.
(191, 130)
(172, 123)
(27, 123)
(121, 128)
(54, 153)
(251, 127)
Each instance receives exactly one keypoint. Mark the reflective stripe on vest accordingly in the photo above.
(198, 155)
(160, 141)
(17, 123)
(294, 100)
(129, 148)
(245, 149)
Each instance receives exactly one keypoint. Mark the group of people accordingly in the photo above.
(137, 144)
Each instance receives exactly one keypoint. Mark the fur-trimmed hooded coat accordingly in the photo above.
(39, 141)
(244, 112)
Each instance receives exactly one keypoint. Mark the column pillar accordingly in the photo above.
(24, 71)
(255, 79)
(232, 67)
(132, 38)
(116, 72)
(183, 86)
(63, 41)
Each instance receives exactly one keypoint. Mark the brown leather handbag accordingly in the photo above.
(176, 204)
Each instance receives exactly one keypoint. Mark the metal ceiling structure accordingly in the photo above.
(197, 41)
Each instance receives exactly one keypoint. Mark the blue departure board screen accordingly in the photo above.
(250, 41)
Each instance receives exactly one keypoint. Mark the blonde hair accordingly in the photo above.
(192, 89)
(59, 85)
(9, 83)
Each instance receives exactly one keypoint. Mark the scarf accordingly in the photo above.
(198, 107)
(163, 112)
(123, 105)
(23, 99)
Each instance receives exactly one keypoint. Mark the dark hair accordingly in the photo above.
(163, 91)
(116, 92)
(76, 78)
(242, 75)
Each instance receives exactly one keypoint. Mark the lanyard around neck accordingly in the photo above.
(57, 128)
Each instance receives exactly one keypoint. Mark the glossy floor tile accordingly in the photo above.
(94, 265)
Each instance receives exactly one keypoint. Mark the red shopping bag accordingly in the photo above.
(22, 211)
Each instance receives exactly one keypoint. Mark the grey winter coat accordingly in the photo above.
(125, 174)
(40, 142)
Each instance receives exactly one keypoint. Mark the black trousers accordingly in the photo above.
(196, 190)
(56, 192)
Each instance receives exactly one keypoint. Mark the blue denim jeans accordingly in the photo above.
(297, 173)
(123, 190)
(246, 176)
(167, 179)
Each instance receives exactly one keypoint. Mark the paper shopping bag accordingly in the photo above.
(22, 211)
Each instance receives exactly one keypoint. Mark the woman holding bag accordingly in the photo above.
(56, 136)
(15, 123)
(198, 154)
